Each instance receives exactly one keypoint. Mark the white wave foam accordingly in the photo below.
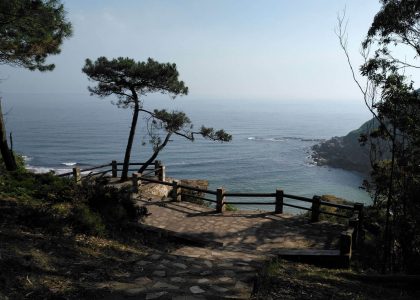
(252, 138)
(177, 164)
(42, 170)
(26, 158)
(69, 163)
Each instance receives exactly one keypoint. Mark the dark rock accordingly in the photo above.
(346, 152)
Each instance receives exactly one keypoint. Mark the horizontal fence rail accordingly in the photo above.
(316, 203)
(260, 195)
(297, 206)
(336, 205)
(154, 169)
(84, 170)
(199, 198)
(250, 203)
(297, 198)
(196, 189)
(155, 181)
(155, 173)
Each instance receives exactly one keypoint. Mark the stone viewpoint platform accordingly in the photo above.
(223, 253)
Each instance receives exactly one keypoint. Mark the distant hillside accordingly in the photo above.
(345, 152)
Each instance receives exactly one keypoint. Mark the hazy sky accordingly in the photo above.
(266, 49)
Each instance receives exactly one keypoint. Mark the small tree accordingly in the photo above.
(390, 96)
(30, 31)
(175, 122)
(129, 81)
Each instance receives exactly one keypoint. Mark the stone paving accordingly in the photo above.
(254, 231)
(189, 273)
(235, 245)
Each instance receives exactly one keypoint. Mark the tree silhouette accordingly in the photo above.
(30, 31)
(129, 81)
(389, 94)
(175, 123)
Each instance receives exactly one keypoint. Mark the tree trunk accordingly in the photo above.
(6, 153)
(124, 174)
(388, 233)
(155, 153)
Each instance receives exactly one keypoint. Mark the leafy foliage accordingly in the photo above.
(396, 23)
(114, 205)
(163, 123)
(129, 80)
(177, 122)
(57, 204)
(391, 98)
(30, 30)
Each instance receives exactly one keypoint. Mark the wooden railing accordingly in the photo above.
(113, 168)
(278, 198)
(349, 239)
(158, 170)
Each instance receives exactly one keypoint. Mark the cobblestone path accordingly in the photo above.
(234, 246)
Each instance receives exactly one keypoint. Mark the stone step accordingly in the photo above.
(319, 257)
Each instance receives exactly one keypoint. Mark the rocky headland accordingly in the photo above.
(345, 152)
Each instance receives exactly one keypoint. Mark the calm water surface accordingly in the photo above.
(270, 148)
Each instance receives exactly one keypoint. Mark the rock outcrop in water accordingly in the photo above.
(345, 152)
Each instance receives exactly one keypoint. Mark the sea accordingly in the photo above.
(270, 149)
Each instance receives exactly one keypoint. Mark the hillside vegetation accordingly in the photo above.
(346, 152)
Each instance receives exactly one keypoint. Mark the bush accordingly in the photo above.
(86, 221)
(330, 209)
(49, 202)
(47, 187)
(191, 196)
(114, 205)
(230, 207)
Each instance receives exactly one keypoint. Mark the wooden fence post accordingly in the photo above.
(136, 181)
(316, 203)
(279, 202)
(220, 198)
(359, 208)
(114, 168)
(176, 191)
(354, 224)
(162, 173)
(360, 233)
(345, 247)
(158, 163)
(76, 175)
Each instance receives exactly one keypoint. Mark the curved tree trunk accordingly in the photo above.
(124, 174)
(155, 153)
(6, 153)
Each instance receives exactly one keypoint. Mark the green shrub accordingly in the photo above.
(20, 163)
(113, 204)
(47, 187)
(86, 221)
(230, 207)
(54, 203)
(191, 196)
(330, 209)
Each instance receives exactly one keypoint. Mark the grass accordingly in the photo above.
(282, 279)
(38, 263)
(61, 241)
(230, 207)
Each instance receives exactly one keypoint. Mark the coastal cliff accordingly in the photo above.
(345, 152)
